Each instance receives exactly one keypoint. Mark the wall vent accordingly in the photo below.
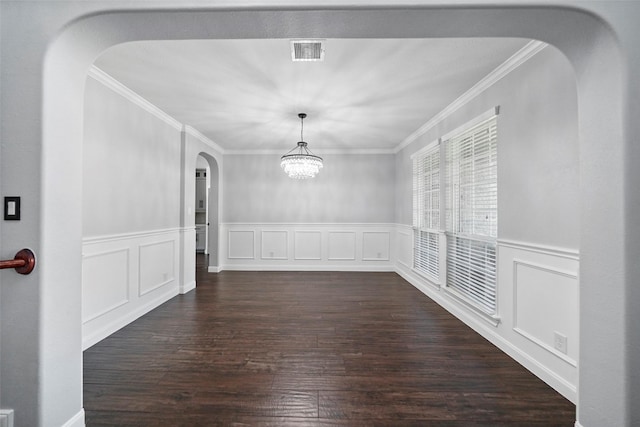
(307, 50)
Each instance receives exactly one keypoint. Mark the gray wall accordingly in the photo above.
(349, 189)
(131, 167)
(538, 176)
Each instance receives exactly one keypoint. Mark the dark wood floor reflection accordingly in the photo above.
(309, 349)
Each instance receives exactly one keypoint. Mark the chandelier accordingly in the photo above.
(300, 163)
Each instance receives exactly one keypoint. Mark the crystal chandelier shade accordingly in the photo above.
(300, 163)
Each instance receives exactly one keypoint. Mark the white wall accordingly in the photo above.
(351, 188)
(538, 216)
(131, 166)
(131, 208)
(538, 174)
(340, 220)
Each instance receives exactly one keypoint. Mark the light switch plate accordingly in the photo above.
(12, 208)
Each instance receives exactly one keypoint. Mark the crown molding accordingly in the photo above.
(517, 59)
(197, 134)
(113, 84)
(363, 151)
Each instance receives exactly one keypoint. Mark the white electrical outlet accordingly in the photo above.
(560, 342)
(6, 417)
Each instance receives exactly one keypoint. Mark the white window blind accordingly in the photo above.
(426, 211)
(472, 213)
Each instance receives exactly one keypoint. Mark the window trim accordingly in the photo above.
(454, 214)
(444, 234)
(434, 148)
(495, 111)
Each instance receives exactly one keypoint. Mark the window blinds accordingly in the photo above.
(472, 213)
(471, 270)
(426, 211)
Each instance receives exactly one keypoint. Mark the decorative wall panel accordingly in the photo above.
(241, 245)
(342, 245)
(105, 282)
(308, 245)
(405, 247)
(545, 303)
(156, 265)
(125, 276)
(375, 246)
(274, 244)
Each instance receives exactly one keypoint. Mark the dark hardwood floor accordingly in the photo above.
(309, 349)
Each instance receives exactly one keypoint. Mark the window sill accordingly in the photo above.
(492, 319)
(430, 280)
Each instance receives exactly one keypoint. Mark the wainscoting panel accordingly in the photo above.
(533, 284)
(342, 245)
(308, 246)
(538, 311)
(125, 276)
(241, 244)
(105, 282)
(376, 245)
(275, 244)
(538, 302)
(405, 246)
(156, 265)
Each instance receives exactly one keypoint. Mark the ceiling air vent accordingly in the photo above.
(307, 50)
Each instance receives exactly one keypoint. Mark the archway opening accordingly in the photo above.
(71, 55)
(209, 221)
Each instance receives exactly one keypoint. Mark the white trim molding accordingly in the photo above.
(6, 418)
(308, 247)
(133, 235)
(310, 267)
(113, 84)
(325, 151)
(120, 322)
(516, 60)
(125, 276)
(199, 135)
(532, 344)
(188, 287)
(76, 421)
(573, 254)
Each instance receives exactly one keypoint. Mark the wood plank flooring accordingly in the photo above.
(309, 349)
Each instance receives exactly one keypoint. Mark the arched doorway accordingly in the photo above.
(606, 383)
(208, 220)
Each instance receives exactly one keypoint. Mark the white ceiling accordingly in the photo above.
(246, 94)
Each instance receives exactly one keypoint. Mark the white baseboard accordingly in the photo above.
(214, 269)
(577, 424)
(188, 287)
(124, 320)
(76, 421)
(6, 417)
(315, 267)
(489, 332)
